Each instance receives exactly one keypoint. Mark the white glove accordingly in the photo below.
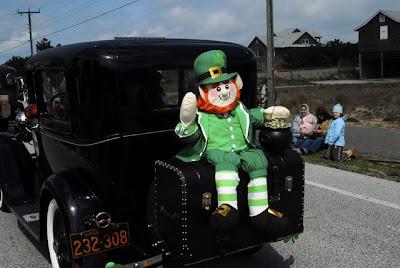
(188, 109)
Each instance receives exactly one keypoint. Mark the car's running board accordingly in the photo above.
(28, 217)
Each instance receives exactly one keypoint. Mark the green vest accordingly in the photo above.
(198, 134)
(225, 133)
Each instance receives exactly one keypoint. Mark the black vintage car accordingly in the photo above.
(101, 184)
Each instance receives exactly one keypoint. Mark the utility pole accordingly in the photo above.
(270, 55)
(29, 12)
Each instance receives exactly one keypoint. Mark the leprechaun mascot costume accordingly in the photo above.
(220, 128)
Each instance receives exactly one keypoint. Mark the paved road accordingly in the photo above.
(376, 141)
(16, 251)
(351, 220)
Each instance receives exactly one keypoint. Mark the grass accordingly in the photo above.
(370, 105)
(389, 171)
(374, 105)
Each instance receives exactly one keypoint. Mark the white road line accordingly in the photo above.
(359, 196)
(392, 228)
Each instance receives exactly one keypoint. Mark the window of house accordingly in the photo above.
(381, 17)
(383, 33)
(306, 41)
(54, 95)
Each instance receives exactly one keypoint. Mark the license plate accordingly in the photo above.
(97, 240)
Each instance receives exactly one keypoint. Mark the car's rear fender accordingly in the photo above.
(77, 202)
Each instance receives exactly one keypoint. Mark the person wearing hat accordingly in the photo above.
(335, 135)
(219, 128)
(5, 112)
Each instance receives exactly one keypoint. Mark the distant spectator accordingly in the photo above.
(5, 112)
(301, 135)
(315, 143)
(307, 125)
(335, 136)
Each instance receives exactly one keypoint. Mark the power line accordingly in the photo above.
(74, 25)
(82, 22)
(11, 40)
(70, 13)
(25, 2)
(14, 47)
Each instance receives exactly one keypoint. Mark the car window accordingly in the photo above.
(189, 82)
(168, 87)
(152, 92)
(153, 89)
(55, 97)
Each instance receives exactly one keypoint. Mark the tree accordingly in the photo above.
(334, 43)
(44, 44)
(18, 63)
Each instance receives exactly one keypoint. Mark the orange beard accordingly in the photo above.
(205, 106)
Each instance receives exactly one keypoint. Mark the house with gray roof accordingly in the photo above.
(286, 39)
(293, 37)
(379, 45)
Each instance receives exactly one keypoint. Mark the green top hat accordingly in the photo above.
(210, 67)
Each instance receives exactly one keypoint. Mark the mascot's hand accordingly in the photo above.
(188, 109)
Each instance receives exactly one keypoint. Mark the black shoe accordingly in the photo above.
(224, 219)
(270, 222)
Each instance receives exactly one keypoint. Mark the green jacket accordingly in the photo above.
(197, 133)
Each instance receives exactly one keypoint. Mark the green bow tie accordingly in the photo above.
(226, 115)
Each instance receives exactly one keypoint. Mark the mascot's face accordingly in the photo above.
(221, 97)
(222, 94)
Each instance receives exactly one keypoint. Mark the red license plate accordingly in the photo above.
(97, 240)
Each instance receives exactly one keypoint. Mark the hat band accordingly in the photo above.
(213, 72)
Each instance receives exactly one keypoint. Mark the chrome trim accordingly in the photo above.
(98, 220)
(116, 137)
(145, 263)
(148, 133)
(78, 144)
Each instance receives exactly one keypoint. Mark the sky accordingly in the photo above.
(236, 21)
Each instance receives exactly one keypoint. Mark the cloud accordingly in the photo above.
(179, 12)
(157, 31)
(188, 22)
(227, 20)
(15, 39)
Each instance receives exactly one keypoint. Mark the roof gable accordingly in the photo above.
(393, 14)
(288, 38)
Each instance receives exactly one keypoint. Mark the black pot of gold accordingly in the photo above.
(275, 139)
(276, 135)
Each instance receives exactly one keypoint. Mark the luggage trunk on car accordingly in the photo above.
(178, 207)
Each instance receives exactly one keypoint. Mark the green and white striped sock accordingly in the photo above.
(226, 182)
(257, 195)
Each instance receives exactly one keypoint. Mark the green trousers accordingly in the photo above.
(254, 162)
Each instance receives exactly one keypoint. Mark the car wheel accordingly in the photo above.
(57, 237)
(3, 206)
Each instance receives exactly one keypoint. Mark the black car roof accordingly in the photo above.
(67, 53)
(6, 68)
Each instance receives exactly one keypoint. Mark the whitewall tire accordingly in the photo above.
(51, 210)
(57, 238)
(1, 198)
(3, 206)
